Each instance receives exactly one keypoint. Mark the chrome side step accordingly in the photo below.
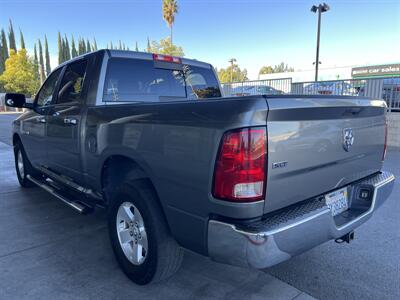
(81, 208)
(68, 182)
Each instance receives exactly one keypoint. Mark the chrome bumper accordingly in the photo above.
(290, 232)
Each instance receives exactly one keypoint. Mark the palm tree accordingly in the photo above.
(170, 8)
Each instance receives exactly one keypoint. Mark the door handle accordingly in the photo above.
(41, 119)
(70, 121)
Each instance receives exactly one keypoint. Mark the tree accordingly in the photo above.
(4, 44)
(148, 45)
(169, 9)
(280, 68)
(84, 47)
(165, 47)
(81, 46)
(36, 63)
(94, 48)
(11, 37)
(88, 47)
(22, 41)
(60, 49)
(2, 61)
(19, 76)
(266, 70)
(63, 55)
(3, 50)
(2, 65)
(47, 56)
(74, 53)
(41, 63)
(233, 72)
(80, 51)
(67, 54)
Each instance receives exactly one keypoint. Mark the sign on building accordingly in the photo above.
(380, 70)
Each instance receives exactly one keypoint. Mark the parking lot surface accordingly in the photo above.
(48, 251)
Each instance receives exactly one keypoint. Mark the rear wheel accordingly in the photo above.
(139, 235)
(23, 167)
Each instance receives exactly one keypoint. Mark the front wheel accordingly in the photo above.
(23, 167)
(139, 235)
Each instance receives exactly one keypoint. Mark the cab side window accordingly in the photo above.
(45, 95)
(71, 87)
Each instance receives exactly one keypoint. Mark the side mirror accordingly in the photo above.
(16, 100)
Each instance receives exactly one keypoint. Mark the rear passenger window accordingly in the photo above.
(201, 83)
(71, 87)
(137, 80)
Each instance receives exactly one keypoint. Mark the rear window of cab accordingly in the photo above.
(138, 80)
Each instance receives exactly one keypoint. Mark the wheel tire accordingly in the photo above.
(163, 256)
(23, 167)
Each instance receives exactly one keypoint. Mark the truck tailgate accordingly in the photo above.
(318, 144)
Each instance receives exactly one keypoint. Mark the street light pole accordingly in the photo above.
(321, 8)
(232, 61)
(318, 37)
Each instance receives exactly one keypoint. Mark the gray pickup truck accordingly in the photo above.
(248, 181)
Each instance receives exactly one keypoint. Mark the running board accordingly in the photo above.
(71, 184)
(81, 208)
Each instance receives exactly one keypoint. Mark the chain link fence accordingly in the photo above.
(387, 88)
(258, 87)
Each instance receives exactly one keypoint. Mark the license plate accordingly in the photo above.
(337, 201)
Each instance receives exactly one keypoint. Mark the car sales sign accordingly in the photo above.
(381, 70)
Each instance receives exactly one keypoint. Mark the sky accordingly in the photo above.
(255, 32)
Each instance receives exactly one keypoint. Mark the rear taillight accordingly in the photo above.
(385, 144)
(240, 167)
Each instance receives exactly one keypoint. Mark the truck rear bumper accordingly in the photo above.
(296, 229)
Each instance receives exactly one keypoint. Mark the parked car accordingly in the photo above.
(391, 93)
(330, 88)
(249, 181)
(240, 90)
(254, 90)
(263, 90)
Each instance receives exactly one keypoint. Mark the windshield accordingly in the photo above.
(137, 80)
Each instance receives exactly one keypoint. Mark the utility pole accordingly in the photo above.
(232, 61)
(321, 8)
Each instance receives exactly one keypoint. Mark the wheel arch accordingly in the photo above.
(118, 168)
(16, 138)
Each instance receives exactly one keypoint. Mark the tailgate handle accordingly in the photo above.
(40, 120)
(353, 111)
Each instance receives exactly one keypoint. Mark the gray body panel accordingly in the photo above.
(175, 145)
(31, 128)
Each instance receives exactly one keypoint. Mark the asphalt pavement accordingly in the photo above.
(5, 127)
(48, 251)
